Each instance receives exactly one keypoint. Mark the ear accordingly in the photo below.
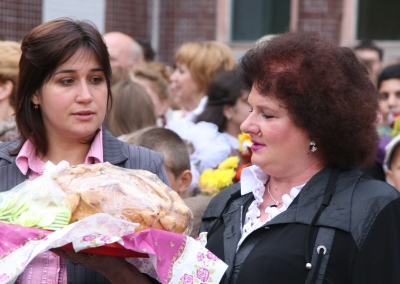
(228, 111)
(184, 181)
(389, 176)
(35, 99)
(6, 89)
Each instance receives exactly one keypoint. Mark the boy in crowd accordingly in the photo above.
(176, 155)
(392, 162)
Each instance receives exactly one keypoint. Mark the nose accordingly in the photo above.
(248, 126)
(84, 93)
(173, 75)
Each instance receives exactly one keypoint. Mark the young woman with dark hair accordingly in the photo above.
(62, 98)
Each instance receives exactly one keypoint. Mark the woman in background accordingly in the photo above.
(227, 107)
(196, 65)
(218, 125)
(154, 77)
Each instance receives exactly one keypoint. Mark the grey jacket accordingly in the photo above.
(356, 206)
(117, 153)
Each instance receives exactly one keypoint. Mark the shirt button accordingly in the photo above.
(266, 228)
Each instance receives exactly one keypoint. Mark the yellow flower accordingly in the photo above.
(244, 143)
(396, 127)
(229, 163)
(213, 181)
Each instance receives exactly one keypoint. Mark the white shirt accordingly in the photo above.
(253, 179)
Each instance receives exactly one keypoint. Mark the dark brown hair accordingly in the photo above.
(43, 49)
(326, 90)
(225, 89)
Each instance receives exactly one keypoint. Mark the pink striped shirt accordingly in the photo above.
(48, 268)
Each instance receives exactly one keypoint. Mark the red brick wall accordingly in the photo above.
(17, 17)
(179, 21)
(322, 16)
(130, 17)
(182, 21)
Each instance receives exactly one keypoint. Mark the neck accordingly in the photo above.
(73, 152)
(232, 129)
(194, 102)
(283, 185)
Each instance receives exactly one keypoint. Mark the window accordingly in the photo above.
(378, 19)
(252, 19)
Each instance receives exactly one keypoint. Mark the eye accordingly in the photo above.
(267, 116)
(97, 80)
(383, 96)
(397, 95)
(67, 81)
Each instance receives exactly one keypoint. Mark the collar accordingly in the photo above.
(252, 177)
(27, 159)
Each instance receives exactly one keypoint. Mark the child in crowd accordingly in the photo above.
(125, 116)
(392, 162)
(176, 156)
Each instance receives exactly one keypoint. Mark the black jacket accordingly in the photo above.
(114, 151)
(365, 216)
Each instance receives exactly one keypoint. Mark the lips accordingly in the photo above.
(84, 112)
(256, 145)
(84, 115)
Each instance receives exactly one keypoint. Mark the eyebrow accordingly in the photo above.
(74, 71)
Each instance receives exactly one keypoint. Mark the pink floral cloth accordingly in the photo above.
(173, 258)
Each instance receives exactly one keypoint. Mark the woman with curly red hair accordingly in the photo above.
(304, 212)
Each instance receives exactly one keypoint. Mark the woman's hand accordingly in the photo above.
(115, 269)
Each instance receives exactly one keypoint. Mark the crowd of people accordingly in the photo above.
(318, 204)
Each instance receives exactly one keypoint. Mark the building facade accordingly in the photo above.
(166, 24)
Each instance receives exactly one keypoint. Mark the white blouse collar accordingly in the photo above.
(253, 180)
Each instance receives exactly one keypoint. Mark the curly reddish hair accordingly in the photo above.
(326, 90)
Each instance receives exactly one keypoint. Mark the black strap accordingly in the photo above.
(330, 189)
(321, 254)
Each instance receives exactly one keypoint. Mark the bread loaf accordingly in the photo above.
(137, 196)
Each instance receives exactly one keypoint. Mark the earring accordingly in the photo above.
(313, 146)
(36, 106)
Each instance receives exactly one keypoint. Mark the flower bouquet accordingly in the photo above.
(212, 181)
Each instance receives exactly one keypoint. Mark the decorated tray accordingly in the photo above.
(113, 249)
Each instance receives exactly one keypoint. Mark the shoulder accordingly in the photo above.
(371, 198)
(372, 191)
(219, 201)
(142, 155)
(127, 155)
